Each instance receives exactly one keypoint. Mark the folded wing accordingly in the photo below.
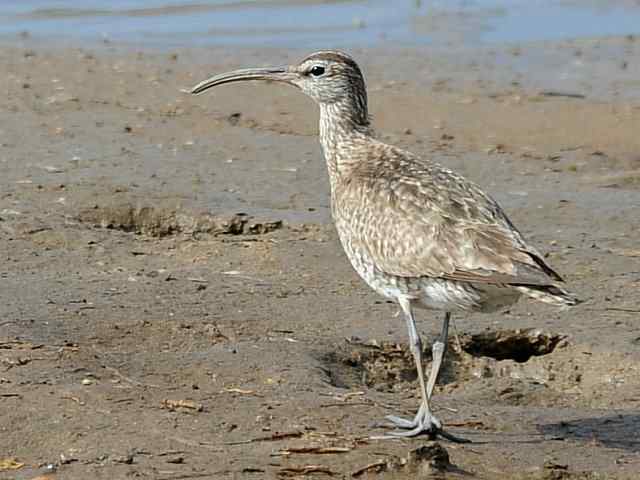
(431, 222)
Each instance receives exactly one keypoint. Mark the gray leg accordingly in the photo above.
(438, 349)
(456, 336)
(424, 421)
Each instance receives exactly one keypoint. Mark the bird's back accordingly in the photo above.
(411, 218)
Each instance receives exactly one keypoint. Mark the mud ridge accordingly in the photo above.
(161, 222)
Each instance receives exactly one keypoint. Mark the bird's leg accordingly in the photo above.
(424, 421)
(415, 345)
(456, 335)
(438, 350)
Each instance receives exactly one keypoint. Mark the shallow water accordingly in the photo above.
(317, 23)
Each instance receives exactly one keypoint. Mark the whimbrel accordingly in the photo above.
(415, 231)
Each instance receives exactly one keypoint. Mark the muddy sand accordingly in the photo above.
(175, 304)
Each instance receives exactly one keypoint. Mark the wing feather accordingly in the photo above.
(420, 219)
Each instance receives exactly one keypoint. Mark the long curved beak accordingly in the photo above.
(276, 74)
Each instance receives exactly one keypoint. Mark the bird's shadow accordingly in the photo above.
(613, 431)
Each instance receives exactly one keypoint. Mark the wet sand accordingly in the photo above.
(175, 302)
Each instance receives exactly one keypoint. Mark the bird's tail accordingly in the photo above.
(551, 294)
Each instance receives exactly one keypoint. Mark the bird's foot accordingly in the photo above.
(423, 424)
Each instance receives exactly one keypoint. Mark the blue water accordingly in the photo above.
(281, 23)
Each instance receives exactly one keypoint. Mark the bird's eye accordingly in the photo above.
(317, 70)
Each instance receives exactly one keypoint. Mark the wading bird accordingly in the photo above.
(415, 231)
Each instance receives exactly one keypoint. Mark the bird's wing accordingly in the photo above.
(424, 220)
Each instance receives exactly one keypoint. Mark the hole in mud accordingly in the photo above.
(517, 345)
(372, 364)
(385, 366)
(388, 366)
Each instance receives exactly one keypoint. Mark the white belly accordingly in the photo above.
(431, 293)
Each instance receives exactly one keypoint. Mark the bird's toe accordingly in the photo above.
(402, 422)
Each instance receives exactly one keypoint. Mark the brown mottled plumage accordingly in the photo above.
(415, 231)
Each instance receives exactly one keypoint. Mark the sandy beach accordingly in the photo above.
(175, 303)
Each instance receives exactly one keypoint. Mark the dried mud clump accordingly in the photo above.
(430, 460)
(161, 222)
(554, 471)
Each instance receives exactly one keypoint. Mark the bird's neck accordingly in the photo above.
(342, 126)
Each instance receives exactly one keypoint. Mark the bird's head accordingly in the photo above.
(327, 76)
